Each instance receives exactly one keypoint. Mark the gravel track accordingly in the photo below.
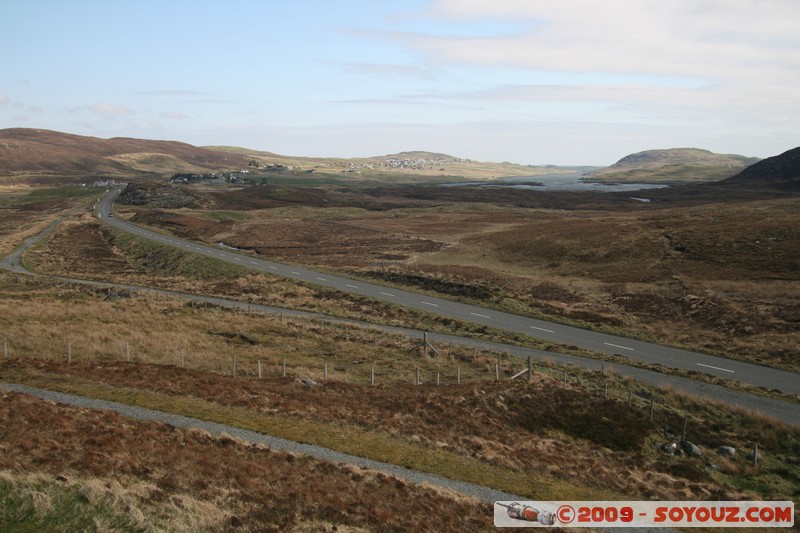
(479, 492)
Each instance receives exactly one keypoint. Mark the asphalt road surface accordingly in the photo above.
(782, 410)
(760, 376)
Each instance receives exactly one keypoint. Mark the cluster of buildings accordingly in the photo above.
(405, 163)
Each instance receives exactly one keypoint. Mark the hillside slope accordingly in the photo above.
(779, 172)
(35, 151)
(674, 165)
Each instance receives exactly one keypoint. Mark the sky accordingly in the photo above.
(566, 82)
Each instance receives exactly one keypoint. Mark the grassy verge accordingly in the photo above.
(39, 502)
(152, 258)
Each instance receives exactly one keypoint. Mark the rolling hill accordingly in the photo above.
(34, 151)
(37, 152)
(780, 172)
(673, 166)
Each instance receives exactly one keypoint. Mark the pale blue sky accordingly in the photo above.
(528, 81)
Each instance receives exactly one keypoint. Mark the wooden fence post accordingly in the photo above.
(259, 369)
(458, 375)
(530, 368)
(497, 372)
(183, 357)
(69, 352)
(372, 375)
(326, 369)
(5, 347)
(127, 352)
(284, 368)
(437, 378)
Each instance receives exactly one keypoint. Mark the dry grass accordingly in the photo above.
(482, 421)
(51, 323)
(481, 430)
(82, 248)
(717, 278)
(143, 475)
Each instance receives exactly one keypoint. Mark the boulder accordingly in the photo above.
(691, 449)
(726, 451)
(670, 448)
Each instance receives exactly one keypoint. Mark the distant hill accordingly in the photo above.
(408, 165)
(780, 172)
(674, 165)
(417, 155)
(35, 151)
(51, 155)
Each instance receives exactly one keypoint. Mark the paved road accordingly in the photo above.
(781, 410)
(761, 376)
(785, 411)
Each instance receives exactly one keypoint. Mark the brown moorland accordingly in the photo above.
(161, 477)
(26, 152)
(571, 441)
(719, 276)
(620, 463)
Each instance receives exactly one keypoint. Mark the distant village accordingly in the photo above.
(221, 177)
(397, 163)
(242, 175)
(103, 182)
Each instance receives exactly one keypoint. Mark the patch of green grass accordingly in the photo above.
(225, 214)
(43, 194)
(33, 505)
(58, 193)
(154, 258)
(684, 173)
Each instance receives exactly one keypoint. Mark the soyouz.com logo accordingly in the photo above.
(643, 514)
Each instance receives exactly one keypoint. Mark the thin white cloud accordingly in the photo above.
(695, 38)
(112, 111)
(380, 69)
(170, 92)
(173, 115)
(720, 64)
